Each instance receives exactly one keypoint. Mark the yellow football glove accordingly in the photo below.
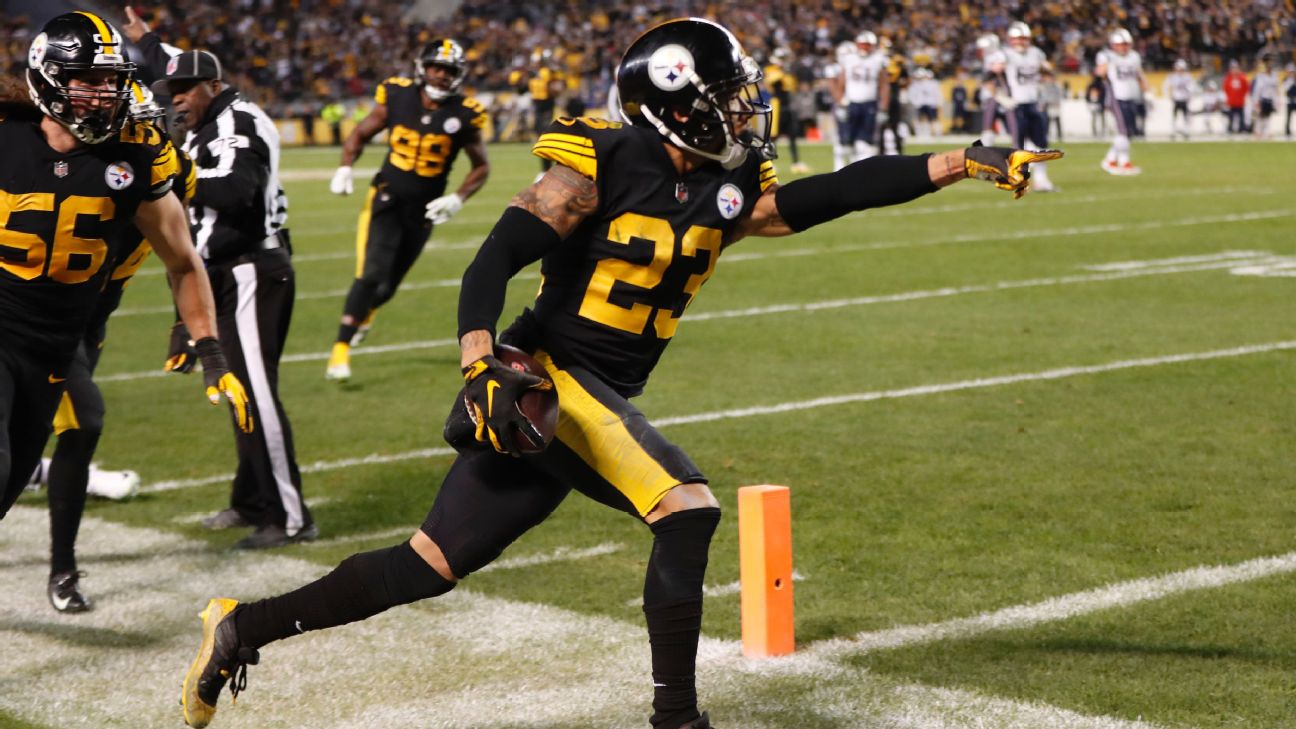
(1007, 168)
(491, 393)
(181, 355)
(220, 381)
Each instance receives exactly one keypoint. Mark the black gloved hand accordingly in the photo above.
(490, 395)
(220, 381)
(181, 355)
(1007, 168)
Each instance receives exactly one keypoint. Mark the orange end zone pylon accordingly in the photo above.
(765, 567)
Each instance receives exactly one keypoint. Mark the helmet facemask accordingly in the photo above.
(727, 120)
(71, 67)
(442, 54)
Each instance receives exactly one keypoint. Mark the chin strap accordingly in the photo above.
(732, 157)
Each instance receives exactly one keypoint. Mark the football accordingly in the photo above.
(541, 408)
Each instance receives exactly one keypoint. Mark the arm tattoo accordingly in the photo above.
(562, 198)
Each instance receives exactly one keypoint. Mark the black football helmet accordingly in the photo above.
(447, 53)
(74, 44)
(690, 80)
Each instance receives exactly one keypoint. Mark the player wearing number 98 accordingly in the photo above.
(74, 175)
(628, 225)
(428, 120)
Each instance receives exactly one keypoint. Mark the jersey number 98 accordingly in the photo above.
(422, 154)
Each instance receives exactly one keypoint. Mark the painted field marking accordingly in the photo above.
(1062, 607)
(1051, 374)
(775, 309)
(1278, 266)
(491, 674)
(1176, 261)
(982, 382)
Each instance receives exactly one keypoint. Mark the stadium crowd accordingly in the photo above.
(341, 49)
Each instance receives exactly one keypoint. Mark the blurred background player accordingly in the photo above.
(1180, 87)
(1051, 95)
(892, 126)
(925, 96)
(993, 94)
(864, 88)
(1264, 95)
(1023, 65)
(1122, 67)
(1236, 87)
(782, 84)
(1289, 92)
(834, 85)
(428, 121)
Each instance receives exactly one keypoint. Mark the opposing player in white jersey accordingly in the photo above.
(993, 95)
(863, 87)
(1179, 88)
(1264, 93)
(1123, 68)
(1023, 62)
(834, 83)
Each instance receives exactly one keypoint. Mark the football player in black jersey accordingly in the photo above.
(428, 120)
(79, 420)
(74, 175)
(628, 225)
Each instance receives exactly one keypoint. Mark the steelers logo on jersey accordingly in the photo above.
(670, 67)
(119, 175)
(452, 125)
(729, 200)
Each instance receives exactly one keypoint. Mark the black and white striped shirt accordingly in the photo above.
(239, 206)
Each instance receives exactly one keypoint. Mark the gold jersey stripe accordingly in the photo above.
(165, 166)
(568, 138)
(65, 418)
(600, 438)
(586, 165)
(768, 175)
(573, 149)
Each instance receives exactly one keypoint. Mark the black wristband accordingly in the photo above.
(210, 354)
(871, 183)
(517, 240)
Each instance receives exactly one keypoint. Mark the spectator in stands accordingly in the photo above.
(1235, 88)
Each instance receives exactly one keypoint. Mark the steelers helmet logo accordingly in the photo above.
(670, 67)
(119, 175)
(452, 125)
(730, 201)
(36, 53)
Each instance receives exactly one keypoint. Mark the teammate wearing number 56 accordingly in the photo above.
(628, 225)
(428, 121)
(73, 176)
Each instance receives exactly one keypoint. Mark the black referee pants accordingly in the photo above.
(254, 303)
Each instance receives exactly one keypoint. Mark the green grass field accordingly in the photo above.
(1141, 425)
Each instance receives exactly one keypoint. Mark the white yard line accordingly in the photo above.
(462, 661)
(858, 397)
(1053, 374)
(784, 308)
(1063, 607)
(1161, 262)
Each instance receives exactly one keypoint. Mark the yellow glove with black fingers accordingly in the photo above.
(181, 355)
(220, 381)
(491, 393)
(1007, 168)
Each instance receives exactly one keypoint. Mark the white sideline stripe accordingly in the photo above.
(773, 309)
(316, 467)
(442, 283)
(157, 269)
(1053, 374)
(55, 665)
(1155, 262)
(1006, 235)
(954, 291)
(1062, 607)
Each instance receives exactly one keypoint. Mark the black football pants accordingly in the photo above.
(390, 236)
(29, 394)
(254, 303)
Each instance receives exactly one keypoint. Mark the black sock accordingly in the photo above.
(69, 472)
(359, 302)
(362, 586)
(673, 610)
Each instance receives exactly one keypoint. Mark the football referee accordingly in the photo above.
(237, 213)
